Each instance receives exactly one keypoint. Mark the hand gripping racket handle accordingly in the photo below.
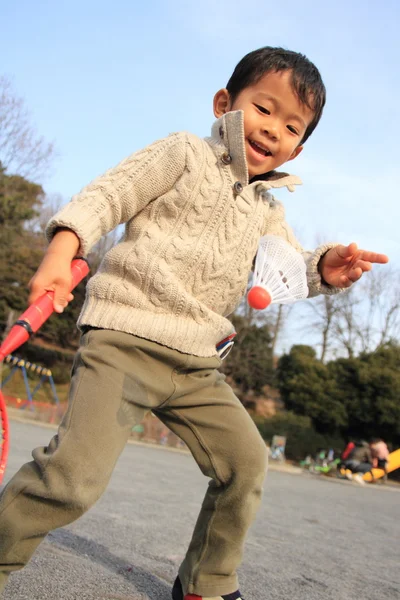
(42, 308)
(38, 312)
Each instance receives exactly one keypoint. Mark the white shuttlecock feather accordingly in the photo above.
(279, 274)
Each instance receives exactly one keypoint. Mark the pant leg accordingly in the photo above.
(363, 468)
(228, 448)
(115, 381)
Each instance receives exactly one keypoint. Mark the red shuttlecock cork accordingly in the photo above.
(259, 298)
(38, 312)
(279, 274)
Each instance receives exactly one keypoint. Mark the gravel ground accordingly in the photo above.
(314, 538)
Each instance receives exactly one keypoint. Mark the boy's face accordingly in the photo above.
(274, 121)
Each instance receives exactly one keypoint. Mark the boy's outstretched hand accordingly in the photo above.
(343, 265)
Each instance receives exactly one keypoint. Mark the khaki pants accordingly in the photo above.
(117, 378)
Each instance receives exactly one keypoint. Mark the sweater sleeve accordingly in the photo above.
(277, 225)
(123, 191)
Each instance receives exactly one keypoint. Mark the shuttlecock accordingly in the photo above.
(279, 274)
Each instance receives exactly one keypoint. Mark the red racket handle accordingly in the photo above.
(38, 312)
(4, 440)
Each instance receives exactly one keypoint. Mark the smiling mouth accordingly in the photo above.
(260, 148)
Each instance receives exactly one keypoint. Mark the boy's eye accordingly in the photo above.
(293, 129)
(262, 109)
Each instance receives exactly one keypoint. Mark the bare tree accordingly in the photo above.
(277, 318)
(348, 322)
(22, 150)
(370, 314)
(320, 318)
(359, 320)
(51, 204)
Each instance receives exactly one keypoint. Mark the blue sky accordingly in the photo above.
(104, 79)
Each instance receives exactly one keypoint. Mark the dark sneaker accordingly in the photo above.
(177, 594)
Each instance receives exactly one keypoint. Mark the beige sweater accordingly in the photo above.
(193, 223)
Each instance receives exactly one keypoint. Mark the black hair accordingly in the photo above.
(305, 78)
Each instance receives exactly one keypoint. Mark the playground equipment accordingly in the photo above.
(24, 366)
(393, 464)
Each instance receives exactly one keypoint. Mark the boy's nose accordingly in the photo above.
(272, 131)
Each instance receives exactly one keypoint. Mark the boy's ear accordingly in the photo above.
(296, 152)
(221, 103)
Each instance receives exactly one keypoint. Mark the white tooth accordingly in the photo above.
(261, 147)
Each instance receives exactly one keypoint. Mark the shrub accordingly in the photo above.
(301, 437)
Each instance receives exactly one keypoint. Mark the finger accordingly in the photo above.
(375, 257)
(37, 290)
(355, 274)
(345, 282)
(347, 251)
(364, 265)
(61, 295)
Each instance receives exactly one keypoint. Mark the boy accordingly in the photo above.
(154, 313)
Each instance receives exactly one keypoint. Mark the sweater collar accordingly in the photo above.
(227, 139)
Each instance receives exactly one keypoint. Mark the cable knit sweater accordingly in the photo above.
(193, 223)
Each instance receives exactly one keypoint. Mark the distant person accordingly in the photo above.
(330, 456)
(360, 462)
(320, 457)
(380, 455)
(347, 451)
(154, 322)
(345, 455)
